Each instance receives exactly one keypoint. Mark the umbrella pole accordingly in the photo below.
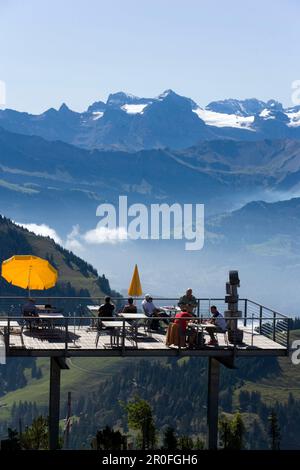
(29, 274)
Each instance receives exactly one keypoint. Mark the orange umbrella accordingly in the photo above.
(29, 272)
(135, 288)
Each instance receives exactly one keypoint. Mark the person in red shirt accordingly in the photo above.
(179, 319)
(182, 318)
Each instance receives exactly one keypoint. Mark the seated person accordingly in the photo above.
(151, 310)
(188, 301)
(129, 307)
(29, 308)
(106, 309)
(182, 319)
(148, 306)
(219, 321)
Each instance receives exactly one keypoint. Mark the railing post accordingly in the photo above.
(245, 312)
(66, 333)
(274, 326)
(8, 334)
(260, 318)
(123, 337)
(235, 334)
(198, 308)
(288, 334)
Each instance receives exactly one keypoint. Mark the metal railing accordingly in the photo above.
(255, 318)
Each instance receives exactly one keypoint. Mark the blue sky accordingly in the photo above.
(78, 51)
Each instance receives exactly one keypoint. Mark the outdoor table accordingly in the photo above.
(93, 308)
(44, 308)
(115, 327)
(114, 323)
(135, 317)
(170, 310)
(203, 326)
(49, 317)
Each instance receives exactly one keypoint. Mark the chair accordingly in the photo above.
(215, 333)
(29, 321)
(100, 331)
(175, 335)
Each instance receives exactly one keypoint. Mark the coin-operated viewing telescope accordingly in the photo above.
(232, 299)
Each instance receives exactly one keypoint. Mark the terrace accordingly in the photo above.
(70, 330)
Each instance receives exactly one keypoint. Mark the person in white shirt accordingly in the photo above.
(219, 321)
(151, 310)
(148, 306)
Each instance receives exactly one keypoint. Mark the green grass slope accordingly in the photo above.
(83, 377)
(277, 388)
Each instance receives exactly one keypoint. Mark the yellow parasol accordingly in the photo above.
(29, 272)
(135, 288)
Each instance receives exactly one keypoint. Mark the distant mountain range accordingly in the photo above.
(38, 176)
(271, 229)
(127, 122)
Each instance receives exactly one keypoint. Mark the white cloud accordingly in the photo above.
(73, 243)
(43, 230)
(76, 241)
(105, 235)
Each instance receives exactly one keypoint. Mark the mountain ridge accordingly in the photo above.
(131, 123)
(41, 174)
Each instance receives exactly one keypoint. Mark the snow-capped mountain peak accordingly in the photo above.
(129, 122)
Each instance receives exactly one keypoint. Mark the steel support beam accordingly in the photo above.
(213, 402)
(56, 364)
